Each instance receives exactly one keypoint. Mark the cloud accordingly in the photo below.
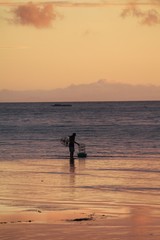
(37, 15)
(41, 15)
(152, 17)
(148, 17)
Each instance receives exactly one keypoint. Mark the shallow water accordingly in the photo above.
(57, 185)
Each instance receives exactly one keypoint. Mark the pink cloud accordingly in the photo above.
(152, 17)
(37, 15)
(41, 15)
(148, 17)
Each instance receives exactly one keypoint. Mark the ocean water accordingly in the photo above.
(122, 167)
(108, 129)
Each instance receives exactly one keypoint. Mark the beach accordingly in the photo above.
(112, 194)
(141, 223)
(53, 200)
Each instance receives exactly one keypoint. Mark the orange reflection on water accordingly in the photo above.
(140, 221)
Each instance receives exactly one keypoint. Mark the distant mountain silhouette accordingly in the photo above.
(101, 90)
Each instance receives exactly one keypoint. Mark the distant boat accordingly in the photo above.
(61, 105)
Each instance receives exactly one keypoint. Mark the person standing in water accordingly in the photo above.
(72, 142)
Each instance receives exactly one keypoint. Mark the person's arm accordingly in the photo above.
(76, 143)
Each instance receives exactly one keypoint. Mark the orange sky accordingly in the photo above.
(47, 46)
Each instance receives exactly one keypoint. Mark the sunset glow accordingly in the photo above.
(53, 44)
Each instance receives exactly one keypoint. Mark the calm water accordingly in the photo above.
(123, 146)
(109, 129)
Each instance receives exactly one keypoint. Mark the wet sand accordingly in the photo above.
(52, 200)
(141, 223)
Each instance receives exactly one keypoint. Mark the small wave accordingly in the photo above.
(130, 170)
(116, 188)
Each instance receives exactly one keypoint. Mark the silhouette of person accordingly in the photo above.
(72, 142)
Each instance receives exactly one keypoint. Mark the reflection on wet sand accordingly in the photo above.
(72, 179)
(82, 163)
(80, 166)
(141, 220)
(49, 191)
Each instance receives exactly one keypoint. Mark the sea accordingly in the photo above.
(122, 142)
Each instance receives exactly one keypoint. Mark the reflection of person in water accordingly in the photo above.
(72, 142)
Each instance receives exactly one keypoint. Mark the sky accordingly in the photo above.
(46, 45)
